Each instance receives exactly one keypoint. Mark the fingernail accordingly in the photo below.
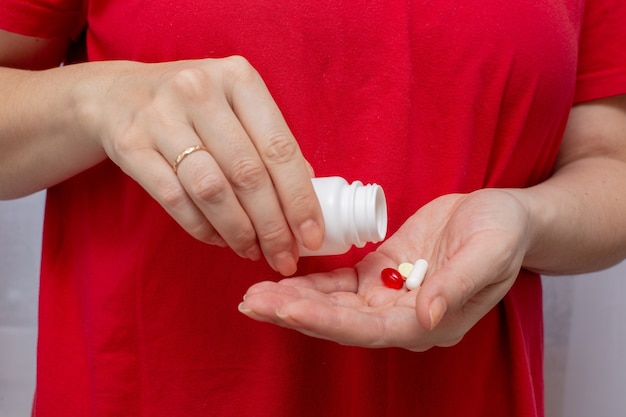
(243, 309)
(281, 315)
(311, 236)
(437, 310)
(285, 263)
(254, 253)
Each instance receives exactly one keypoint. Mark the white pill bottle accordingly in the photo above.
(354, 214)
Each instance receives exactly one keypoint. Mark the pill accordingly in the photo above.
(417, 274)
(392, 278)
(405, 269)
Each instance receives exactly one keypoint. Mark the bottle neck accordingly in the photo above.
(354, 215)
(367, 210)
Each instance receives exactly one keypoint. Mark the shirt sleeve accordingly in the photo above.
(43, 18)
(602, 54)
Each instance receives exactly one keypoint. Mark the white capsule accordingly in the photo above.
(415, 278)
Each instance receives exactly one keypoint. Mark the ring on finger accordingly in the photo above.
(185, 153)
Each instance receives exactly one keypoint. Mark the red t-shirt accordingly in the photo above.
(423, 98)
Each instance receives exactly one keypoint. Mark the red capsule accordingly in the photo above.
(392, 278)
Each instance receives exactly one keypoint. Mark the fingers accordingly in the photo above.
(338, 316)
(164, 186)
(209, 190)
(248, 186)
(346, 305)
(263, 174)
(471, 269)
(339, 280)
(280, 154)
(466, 286)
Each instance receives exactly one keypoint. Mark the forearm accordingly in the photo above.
(41, 139)
(577, 217)
(578, 222)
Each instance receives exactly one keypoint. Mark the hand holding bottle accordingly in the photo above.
(203, 137)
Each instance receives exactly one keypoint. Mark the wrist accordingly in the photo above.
(541, 217)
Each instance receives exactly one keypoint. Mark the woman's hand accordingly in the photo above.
(247, 184)
(475, 244)
(248, 187)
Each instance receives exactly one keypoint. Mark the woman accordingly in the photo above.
(168, 140)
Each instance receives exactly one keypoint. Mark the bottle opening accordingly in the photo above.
(381, 214)
(354, 214)
(370, 214)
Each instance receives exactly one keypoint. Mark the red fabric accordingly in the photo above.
(601, 67)
(424, 98)
(43, 18)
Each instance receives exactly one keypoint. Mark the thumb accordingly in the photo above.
(462, 278)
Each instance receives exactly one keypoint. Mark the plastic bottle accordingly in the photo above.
(354, 214)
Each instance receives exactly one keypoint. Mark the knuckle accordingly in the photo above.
(300, 205)
(244, 238)
(202, 231)
(122, 146)
(280, 148)
(172, 195)
(248, 175)
(239, 68)
(127, 138)
(275, 232)
(192, 83)
(209, 188)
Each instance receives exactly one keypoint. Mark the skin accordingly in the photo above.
(476, 244)
(142, 116)
(251, 190)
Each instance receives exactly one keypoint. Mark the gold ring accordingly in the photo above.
(188, 151)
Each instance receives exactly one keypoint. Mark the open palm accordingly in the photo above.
(475, 244)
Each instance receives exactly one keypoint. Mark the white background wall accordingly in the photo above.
(585, 327)
(20, 242)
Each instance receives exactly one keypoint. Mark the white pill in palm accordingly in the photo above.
(405, 269)
(417, 274)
